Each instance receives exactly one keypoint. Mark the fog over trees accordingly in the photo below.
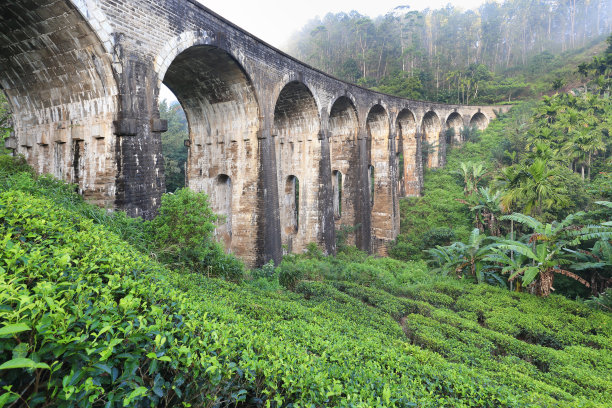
(449, 54)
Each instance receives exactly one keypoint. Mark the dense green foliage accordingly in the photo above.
(5, 116)
(86, 319)
(500, 52)
(182, 236)
(173, 144)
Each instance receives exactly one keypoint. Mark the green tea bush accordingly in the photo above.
(180, 236)
(85, 320)
(88, 320)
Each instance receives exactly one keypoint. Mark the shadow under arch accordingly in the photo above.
(63, 96)
(296, 132)
(454, 123)
(222, 115)
(479, 120)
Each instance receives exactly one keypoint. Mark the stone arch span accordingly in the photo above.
(454, 123)
(298, 153)
(343, 129)
(382, 159)
(408, 150)
(223, 118)
(430, 128)
(479, 120)
(64, 95)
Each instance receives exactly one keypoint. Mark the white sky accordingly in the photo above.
(275, 20)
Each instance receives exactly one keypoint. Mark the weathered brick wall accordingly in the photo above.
(61, 86)
(83, 77)
(298, 153)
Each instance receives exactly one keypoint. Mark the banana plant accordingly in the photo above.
(460, 258)
(544, 254)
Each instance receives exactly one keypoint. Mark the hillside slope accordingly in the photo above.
(86, 319)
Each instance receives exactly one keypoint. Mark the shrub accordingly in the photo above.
(182, 236)
(438, 236)
(185, 223)
(290, 274)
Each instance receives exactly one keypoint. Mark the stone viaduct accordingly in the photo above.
(287, 153)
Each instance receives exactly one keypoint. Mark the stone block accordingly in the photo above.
(159, 125)
(125, 127)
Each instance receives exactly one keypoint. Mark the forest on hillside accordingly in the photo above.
(498, 53)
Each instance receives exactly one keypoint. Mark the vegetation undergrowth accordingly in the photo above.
(87, 319)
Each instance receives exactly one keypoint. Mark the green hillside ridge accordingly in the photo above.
(87, 319)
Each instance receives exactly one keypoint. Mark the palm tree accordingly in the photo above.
(535, 187)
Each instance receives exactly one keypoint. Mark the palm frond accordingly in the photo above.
(523, 219)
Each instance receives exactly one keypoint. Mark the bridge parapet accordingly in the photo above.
(286, 152)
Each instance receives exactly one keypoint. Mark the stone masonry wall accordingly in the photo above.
(83, 78)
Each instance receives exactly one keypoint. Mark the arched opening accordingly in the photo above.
(454, 123)
(222, 114)
(175, 140)
(344, 154)
(337, 193)
(221, 200)
(60, 85)
(479, 120)
(377, 124)
(407, 149)
(297, 145)
(292, 203)
(431, 137)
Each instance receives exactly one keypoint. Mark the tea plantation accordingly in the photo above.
(89, 318)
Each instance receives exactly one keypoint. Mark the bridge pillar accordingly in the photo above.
(326, 195)
(363, 205)
(268, 231)
(381, 179)
(140, 165)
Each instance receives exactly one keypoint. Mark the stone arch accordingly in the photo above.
(63, 93)
(177, 45)
(222, 113)
(407, 151)
(291, 79)
(344, 154)
(454, 123)
(430, 127)
(298, 152)
(479, 120)
(98, 21)
(380, 178)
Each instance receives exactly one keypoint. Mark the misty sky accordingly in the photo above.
(275, 20)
